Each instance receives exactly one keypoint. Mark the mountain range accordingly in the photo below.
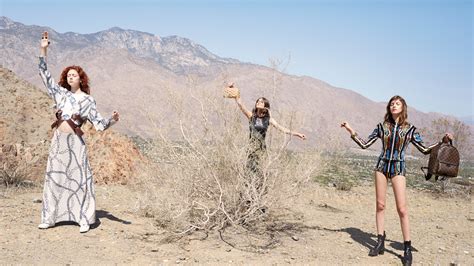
(139, 73)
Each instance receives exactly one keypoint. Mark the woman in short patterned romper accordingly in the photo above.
(396, 133)
(68, 193)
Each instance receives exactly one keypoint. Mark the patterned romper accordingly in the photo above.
(68, 193)
(395, 139)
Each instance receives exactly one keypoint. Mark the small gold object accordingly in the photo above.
(231, 92)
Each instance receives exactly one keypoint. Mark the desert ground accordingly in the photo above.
(326, 226)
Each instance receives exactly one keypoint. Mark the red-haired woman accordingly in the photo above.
(68, 193)
(396, 133)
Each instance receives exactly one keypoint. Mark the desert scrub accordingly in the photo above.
(197, 179)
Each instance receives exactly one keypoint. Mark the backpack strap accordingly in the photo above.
(446, 140)
(427, 175)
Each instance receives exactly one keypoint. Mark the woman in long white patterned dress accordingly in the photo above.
(68, 193)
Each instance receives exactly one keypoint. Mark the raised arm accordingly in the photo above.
(244, 110)
(364, 144)
(54, 90)
(285, 130)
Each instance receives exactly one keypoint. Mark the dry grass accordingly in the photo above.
(197, 179)
(14, 170)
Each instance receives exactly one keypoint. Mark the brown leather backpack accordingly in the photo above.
(443, 162)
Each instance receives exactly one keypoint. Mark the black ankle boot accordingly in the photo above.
(379, 247)
(407, 257)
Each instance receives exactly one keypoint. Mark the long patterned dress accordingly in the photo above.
(68, 193)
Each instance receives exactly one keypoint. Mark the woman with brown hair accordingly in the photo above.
(396, 133)
(68, 193)
(259, 121)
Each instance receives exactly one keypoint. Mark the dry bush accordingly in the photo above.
(14, 172)
(15, 175)
(198, 179)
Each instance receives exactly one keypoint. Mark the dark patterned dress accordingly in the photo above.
(258, 127)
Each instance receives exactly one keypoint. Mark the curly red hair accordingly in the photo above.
(84, 84)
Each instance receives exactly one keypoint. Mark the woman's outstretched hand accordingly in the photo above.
(301, 136)
(44, 44)
(449, 136)
(115, 116)
(347, 127)
(44, 40)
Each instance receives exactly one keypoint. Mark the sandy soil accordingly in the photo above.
(330, 227)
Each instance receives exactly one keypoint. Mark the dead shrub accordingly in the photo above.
(197, 179)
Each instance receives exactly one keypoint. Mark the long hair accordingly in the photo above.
(266, 104)
(402, 119)
(84, 79)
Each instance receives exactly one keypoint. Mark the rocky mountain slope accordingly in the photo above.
(141, 75)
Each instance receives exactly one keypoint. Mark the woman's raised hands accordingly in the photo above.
(44, 40)
(348, 127)
(44, 44)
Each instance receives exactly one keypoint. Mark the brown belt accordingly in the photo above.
(76, 128)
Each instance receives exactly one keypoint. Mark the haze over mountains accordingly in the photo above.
(134, 71)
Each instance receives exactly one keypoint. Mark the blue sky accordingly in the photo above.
(421, 50)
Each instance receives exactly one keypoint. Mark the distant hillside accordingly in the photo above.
(25, 118)
(139, 73)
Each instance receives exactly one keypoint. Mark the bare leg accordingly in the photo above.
(380, 194)
(399, 189)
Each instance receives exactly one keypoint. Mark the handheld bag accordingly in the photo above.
(231, 92)
(443, 162)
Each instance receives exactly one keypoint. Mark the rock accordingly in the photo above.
(228, 249)
(295, 238)
(37, 201)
